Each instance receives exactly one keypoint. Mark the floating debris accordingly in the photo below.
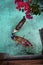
(20, 24)
(20, 40)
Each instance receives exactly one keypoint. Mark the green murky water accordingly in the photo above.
(9, 17)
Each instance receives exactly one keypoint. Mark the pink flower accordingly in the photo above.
(29, 17)
(28, 14)
(20, 5)
(25, 5)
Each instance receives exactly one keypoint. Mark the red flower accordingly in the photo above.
(28, 14)
(29, 17)
(21, 5)
(25, 5)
